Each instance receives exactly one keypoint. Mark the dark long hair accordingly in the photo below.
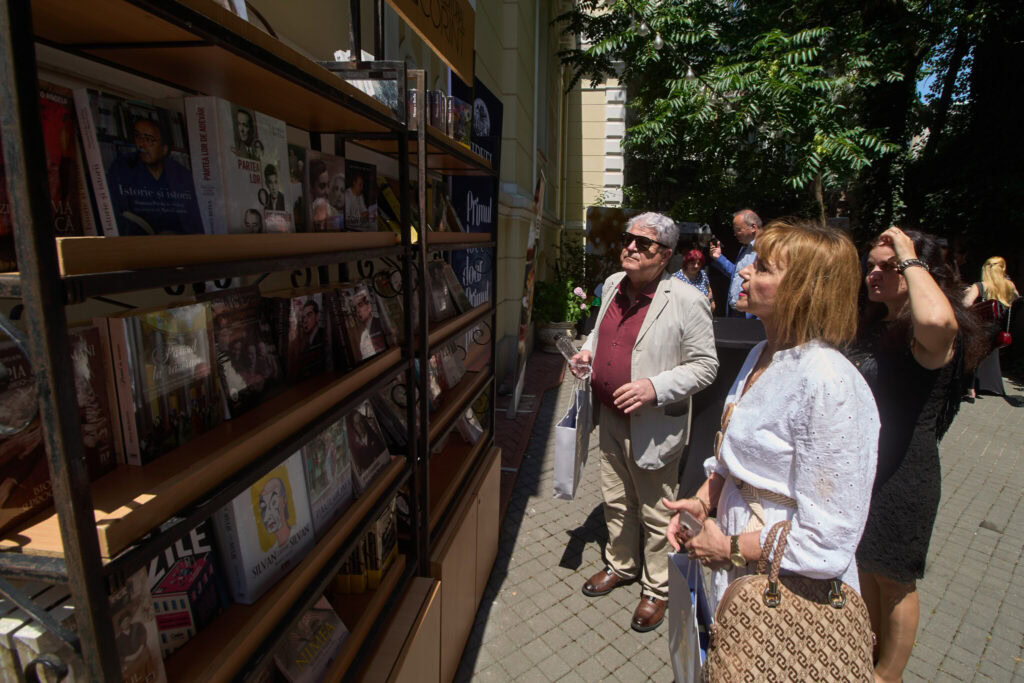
(971, 334)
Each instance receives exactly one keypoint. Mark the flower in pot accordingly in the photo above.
(557, 307)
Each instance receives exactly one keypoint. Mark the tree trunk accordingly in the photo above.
(819, 197)
(946, 97)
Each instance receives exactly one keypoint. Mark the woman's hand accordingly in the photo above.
(676, 533)
(900, 243)
(710, 546)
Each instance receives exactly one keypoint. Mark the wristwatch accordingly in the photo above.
(735, 556)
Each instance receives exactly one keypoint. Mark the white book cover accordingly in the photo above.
(265, 531)
(328, 476)
(240, 166)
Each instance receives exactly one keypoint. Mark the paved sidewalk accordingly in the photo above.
(534, 624)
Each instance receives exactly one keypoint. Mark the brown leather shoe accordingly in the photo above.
(602, 583)
(649, 614)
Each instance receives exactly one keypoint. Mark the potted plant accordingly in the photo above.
(557, 307)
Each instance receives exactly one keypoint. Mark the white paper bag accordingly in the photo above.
(689, 617)
(572, 441)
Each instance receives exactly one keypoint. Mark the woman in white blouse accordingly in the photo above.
(800, 428)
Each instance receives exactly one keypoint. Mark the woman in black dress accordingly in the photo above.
(993, 285)
(911, 350)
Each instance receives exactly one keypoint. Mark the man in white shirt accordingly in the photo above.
(745, 225)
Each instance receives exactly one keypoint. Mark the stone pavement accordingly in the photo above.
(534, 624)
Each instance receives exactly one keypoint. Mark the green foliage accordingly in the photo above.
(556, 302)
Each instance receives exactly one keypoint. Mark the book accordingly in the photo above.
(387, 287)
(365, 334)
(461, 115)
(455, 288)
(296, 185)
(366, 446)
(391, 208)
(382, 542)
(469, 427)
(325, 187)
(247, 357)
(310, 646)
(300, 332)
(328, 468)
(265, 531)
(360, 196)
(138, 164)
(351, 577)
(186, 587)
(239, 158)
(452, 368)
(163, 365)
(439, 297)
(24, 473)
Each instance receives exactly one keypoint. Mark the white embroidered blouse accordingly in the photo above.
(807, 429)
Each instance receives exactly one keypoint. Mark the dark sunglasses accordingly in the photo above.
(642, 243)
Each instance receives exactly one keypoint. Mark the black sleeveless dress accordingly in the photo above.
(915, 406)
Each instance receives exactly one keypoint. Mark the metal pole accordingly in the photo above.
(424, 332)
(43, 295)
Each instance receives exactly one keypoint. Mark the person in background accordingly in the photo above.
(693, 273)
(798, 439)
(915, 341)
(745, 226)
(993, 285)
(652, 349)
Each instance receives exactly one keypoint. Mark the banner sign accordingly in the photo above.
(447, 26)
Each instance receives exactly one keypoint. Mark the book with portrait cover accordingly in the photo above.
(239, 164)
(310, 646)
(247, 357)
(265, 531)
(186, 586)
(163, 364)
(299, 321)
(325, 188)
(296, 180)
(328, 467)
(366, 445)
(360, 196)
(361, 323)
(24, 474)
(439, 298)
(138, 163)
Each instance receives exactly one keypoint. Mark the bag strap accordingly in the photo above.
(766, 550)
(776, 547)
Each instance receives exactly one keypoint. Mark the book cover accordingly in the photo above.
(186, 587)
(24, 474)
(310, 646)
(455, 287)
(382, 541)
(469, 427)
(360, 196)
(138, 163)
(325, 188)
(301, 333)
(239, 158)
(366, 446)
(394, 434)
(138, 641)
(461, 115)
(365, 333)
(439, 297)
(247, 356)
(328, 468)
(387, 286)
(453, 369)
(265, 531)
(167, 389)
(296, 182)
(391, 208)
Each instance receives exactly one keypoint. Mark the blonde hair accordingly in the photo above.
(993, 276)
(817, 298)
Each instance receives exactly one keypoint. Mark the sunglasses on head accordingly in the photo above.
(642, 243)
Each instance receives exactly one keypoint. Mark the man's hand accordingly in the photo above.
(715, 250)
(630, 397)
(579, 361)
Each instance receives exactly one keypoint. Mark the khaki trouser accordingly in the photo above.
(635, 518)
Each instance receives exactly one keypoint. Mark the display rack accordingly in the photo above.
(99, 532)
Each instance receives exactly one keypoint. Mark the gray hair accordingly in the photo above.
(749, 217)
(668, 231)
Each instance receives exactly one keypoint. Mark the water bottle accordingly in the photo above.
(568, 350)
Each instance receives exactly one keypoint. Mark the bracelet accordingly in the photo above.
(704, 506)
(910, 263)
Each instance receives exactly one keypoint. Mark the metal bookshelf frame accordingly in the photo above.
(44, 293)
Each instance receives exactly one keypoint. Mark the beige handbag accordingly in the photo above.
(792, 628)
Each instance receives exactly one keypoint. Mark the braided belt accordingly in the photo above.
(753, 496)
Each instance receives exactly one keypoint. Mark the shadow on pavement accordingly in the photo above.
(593, 530)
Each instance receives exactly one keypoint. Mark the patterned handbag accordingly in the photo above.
(792, 628)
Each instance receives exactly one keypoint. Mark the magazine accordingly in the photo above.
(365, 332)
(366, 445)
(328, 467)
(360, 196)
(325, 188)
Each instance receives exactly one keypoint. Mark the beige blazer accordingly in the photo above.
(675, 349)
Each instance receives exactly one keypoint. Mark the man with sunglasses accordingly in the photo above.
(652, 348)
(745, 225)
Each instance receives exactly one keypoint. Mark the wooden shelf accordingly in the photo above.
(358, 612)
(444, 155)
(130, 501)
(199, 46)
(223, 648)
(445, 241)
(444, 331)
(455, 401)
(448, 471)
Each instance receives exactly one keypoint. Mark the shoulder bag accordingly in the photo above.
(771, 627)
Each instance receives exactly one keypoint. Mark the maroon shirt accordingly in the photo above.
(612, 365)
